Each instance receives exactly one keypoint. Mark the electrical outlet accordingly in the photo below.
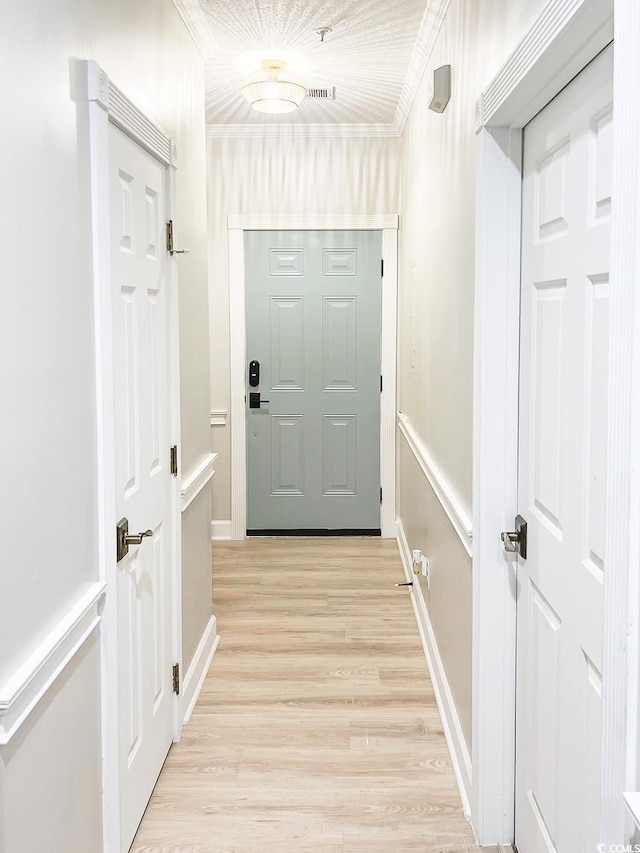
(425, 567)
(421, 565)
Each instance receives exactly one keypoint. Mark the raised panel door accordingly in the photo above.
(563, 405)
(314, 324)
(143, 496)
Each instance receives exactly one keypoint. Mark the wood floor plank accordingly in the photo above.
(317, 729)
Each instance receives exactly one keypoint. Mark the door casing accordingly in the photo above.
(566, 36)
(388, 225)
(98, 102)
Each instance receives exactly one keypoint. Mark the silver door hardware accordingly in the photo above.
(124, 538)
(516, 541)
(404, 584)
(170, 248)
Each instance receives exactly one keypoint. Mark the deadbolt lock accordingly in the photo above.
(124, 538)
(516, 541)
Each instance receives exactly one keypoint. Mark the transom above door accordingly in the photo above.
(313, 319)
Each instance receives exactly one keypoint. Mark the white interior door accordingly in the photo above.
(143, 477)
(563, 403)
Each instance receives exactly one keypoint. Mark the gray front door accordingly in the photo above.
(313, 380)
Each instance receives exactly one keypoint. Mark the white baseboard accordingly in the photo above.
(198, 669)
(458, 750)
(221, 529)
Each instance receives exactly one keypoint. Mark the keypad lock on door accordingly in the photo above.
(255, 401)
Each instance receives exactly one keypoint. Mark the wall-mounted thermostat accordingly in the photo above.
(441, 89)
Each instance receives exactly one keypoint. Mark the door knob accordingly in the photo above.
(124, 538)
(516, 541)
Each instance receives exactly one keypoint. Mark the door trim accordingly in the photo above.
(566, 36)
(237, 224)
(99, 102)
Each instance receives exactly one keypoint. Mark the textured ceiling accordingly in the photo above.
(374, 56)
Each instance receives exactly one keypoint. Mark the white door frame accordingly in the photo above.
(237, 225)
(100, 102)
(564, 38)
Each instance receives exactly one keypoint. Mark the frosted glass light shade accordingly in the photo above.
(273, 90)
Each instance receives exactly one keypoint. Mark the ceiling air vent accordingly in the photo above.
(322, 94)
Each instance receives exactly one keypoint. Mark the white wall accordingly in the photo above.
(436, 300)
(287, 175)
(47, 385)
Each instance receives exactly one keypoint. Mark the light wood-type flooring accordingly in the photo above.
(317, 728)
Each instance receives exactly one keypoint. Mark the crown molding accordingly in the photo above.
(301, 131)
(195, 20)
(432, 21)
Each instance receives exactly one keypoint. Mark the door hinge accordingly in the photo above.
(174, 460)
(382, 268)
(380, 494)
(381, 382)
(176, 679)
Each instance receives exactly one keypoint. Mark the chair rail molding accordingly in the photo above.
(197, 480)
(449, 501)
(22, 691)
(219, 417)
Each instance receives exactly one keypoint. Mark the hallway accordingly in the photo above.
(317, 728)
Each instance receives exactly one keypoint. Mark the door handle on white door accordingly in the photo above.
(136, 538)
(124, 538)
(516, 541)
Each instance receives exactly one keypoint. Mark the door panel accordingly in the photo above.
(563, 404)
(339, 453)
(313, 323)
(287, 344)
(143, 479)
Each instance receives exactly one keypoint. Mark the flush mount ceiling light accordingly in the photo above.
(273, 89)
